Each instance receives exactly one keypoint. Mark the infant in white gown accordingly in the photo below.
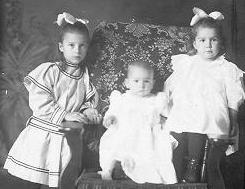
(136, 136)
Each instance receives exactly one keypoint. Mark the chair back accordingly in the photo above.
(114, 45)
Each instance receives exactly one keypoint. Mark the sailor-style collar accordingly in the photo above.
(71, 70)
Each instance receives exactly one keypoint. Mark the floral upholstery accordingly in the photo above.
(114, 45)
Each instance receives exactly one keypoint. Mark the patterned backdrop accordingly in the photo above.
(114, 45)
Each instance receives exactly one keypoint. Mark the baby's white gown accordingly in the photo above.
(139, 136)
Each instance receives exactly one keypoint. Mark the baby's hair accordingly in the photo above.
(208, 22)
(142, 64)
(77, 27)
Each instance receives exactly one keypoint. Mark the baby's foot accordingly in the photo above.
(105, 175)
(128, 164)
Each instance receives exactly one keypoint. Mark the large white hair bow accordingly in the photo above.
(199, 14)
(68, 18)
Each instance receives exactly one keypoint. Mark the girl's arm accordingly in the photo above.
(91, 102)
(235, 95)
(43, 104)
(92, 98)
(234, 87)
(39, 84)
(233, 122)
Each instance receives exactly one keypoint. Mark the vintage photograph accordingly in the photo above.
(122, 94)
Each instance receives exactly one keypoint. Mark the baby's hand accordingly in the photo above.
(162, 119)
(93, 116)
(76, 116)
(110, 120)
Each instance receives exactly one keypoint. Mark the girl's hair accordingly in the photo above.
(77, 27)
(207, 22)
(142, 64)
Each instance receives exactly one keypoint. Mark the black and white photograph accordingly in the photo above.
(122, 94)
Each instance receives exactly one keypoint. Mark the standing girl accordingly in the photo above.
(58, 92)
(136, 135)
(205, 92)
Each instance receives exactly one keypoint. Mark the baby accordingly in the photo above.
(135, 133)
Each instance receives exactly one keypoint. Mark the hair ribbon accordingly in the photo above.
(200, 14)
(68, 18)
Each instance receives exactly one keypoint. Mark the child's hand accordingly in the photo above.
(109, 121)
(76, 116)
(93, 116)
(162, 119)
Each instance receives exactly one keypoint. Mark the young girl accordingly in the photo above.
(135, 134)
(58, 92)
(205, 91)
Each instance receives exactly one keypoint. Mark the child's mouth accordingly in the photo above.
(77, 57)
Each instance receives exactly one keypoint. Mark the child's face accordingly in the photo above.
(140, 81)
(74, 47)
(207, 43)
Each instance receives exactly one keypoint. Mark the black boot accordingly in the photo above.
(118, 173)
(192, 173)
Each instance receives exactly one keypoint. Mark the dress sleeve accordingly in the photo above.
(92, 97)
(39, 84)
(180, 64)
(234, 86)
(114, 106)
(168, 87)
(162, 103)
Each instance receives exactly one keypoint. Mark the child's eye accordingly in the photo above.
(84, 45)
(71, 45)
(136, 81)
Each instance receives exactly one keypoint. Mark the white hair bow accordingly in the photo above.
(69, 19)
(199, 14)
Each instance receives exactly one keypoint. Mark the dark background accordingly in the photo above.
(38, 16)
(21, 19)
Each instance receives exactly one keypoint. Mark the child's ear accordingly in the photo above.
(154, 81)
(194, 44)
(61, 48)
(126, 83)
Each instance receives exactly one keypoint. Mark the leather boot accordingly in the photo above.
(192, 173)
(118, 173)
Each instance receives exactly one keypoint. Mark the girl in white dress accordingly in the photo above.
(58, 91)
(205, 91)
(136, 134)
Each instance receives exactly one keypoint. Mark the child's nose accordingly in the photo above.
(142, 85)
(208, 43)
(77, 49)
